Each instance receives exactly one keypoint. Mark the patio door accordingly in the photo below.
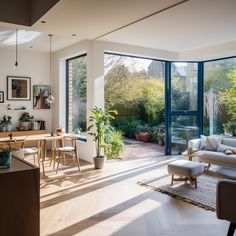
(184, 105)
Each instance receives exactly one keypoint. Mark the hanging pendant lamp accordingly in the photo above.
(50, 98)
(16, 62)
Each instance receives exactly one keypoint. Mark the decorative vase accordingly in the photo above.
(99, 162)
(26, 125)
(5, 160)
(3, 128)
(8, 128)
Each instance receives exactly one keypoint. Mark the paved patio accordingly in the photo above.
(136, 150)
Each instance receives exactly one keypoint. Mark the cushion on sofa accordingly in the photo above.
(212, 143)
(229, 142)
(203, 142)
(226, 149)
(217, 158)
(194, 143)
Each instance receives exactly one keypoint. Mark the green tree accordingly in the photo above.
(229, 96)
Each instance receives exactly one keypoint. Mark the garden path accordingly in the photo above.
(135, 150)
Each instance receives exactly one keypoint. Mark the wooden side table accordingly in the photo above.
(190, 155)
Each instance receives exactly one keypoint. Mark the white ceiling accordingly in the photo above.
(191, 25)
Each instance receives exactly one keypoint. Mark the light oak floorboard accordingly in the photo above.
(110, 202)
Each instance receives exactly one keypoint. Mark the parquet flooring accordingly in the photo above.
(109, 202)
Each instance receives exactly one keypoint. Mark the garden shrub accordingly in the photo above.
(115, 144)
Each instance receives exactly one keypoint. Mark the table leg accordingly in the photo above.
(44, 150)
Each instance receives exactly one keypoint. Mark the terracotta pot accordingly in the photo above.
(144, 137)
(137, 137)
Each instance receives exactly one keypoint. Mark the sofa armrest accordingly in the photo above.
(225, 200)
(194, 143)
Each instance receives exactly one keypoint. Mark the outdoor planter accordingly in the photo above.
(137, 137)
(144, 137)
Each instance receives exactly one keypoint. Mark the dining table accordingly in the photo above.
(43, 140)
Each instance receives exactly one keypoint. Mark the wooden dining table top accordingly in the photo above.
(39, 137)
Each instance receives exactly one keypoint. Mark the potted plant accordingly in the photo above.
(230, 127)
(9, 123)
(25, 120)
(3, 124)
(100, 126)
(160, 136)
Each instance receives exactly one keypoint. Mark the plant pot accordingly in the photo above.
(3, 128)
(161, 142)
(99, 162)
(137, 137)
(8, 128)
(26, 125)
(144, 137)
(5, 160)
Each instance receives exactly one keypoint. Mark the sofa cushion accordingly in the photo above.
(218, 158)
(229, 142)
(203, 142)
(221, 147)
(212, 143)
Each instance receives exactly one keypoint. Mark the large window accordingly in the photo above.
(135, 88)
(219, 95)
(76, 94)
(184, 86)
(184, 112)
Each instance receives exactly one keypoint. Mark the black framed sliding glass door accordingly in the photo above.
(184, 113)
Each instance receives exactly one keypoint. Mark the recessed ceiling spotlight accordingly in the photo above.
(43, 21)
(73, 35)
(31, 46)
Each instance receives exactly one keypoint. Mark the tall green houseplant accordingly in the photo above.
(100, 125)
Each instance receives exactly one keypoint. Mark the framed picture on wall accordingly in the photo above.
(1, 97)
(40, 95)
(18, 88)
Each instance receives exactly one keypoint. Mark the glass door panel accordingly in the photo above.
(184, 105)
(183, 128)
(184, 87)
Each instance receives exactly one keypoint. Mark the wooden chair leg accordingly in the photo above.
(43, 167)
(77, 161)
(231, 229)
(34, 158)
(59, 158)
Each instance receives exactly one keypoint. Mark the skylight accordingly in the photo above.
(24, 36)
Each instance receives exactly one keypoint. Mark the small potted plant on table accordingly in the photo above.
(100, 126)
(25, 120)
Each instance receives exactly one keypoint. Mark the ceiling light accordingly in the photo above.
(16, 62)
(50, 98)
(43, 21)
(73, 35)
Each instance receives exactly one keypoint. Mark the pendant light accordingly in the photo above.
(16, 62)
(50, 98)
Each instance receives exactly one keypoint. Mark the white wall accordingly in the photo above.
(30, 64)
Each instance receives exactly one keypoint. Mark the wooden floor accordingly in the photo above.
(110, 202)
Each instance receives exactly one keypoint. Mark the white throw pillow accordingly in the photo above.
(203, 142)
(212, 143)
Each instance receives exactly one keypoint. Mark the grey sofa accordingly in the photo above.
(215, 157)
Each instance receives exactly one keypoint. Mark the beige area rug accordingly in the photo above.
(204, 196)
